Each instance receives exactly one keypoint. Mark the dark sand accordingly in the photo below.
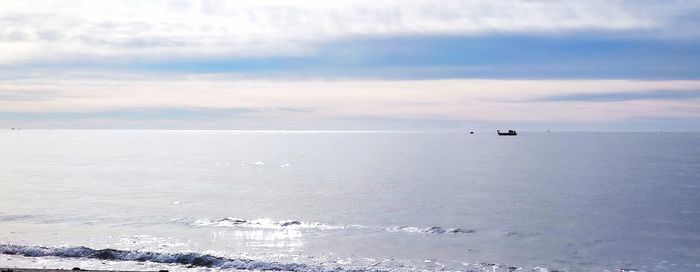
(55, 270)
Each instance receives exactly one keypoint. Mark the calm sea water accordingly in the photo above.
(370, 201)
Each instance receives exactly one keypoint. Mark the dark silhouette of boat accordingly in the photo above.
(509, 133)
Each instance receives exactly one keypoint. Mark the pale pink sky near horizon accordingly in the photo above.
(457, 100)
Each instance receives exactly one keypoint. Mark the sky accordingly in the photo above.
(351, 65)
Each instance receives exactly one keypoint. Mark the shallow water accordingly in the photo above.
(314, 200)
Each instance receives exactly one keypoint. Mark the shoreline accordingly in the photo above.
(75, 269)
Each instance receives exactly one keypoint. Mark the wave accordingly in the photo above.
(431, 230)
(263, 223)
(195, 260)
(267, 223)
(189, 259)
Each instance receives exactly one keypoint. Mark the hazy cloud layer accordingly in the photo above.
(632, 96)
(121, 31)
(451, 100)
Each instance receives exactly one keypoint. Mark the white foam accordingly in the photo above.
(262, 223)
(428, 230)
(130, 259)
(192, 259)
(268, 223)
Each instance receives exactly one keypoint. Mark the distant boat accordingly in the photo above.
(509, 133)
(471, 132)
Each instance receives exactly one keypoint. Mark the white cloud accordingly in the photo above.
(67, 29)
(467, 100)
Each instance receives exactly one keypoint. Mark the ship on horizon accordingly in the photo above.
(509, 133)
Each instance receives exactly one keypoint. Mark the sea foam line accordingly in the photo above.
(190, 259)
(266, 223)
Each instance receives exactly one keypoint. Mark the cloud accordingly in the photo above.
(450, 100)
(27, 95)
(123, 31)
(181, 114)
(632, 96)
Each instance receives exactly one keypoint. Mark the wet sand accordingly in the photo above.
(55, 270)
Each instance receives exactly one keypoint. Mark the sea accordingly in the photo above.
(209, 200)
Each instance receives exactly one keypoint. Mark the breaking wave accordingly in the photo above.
(431, 230)
(199, 260)
(263, 223)
(189, 259)
(266, 223)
